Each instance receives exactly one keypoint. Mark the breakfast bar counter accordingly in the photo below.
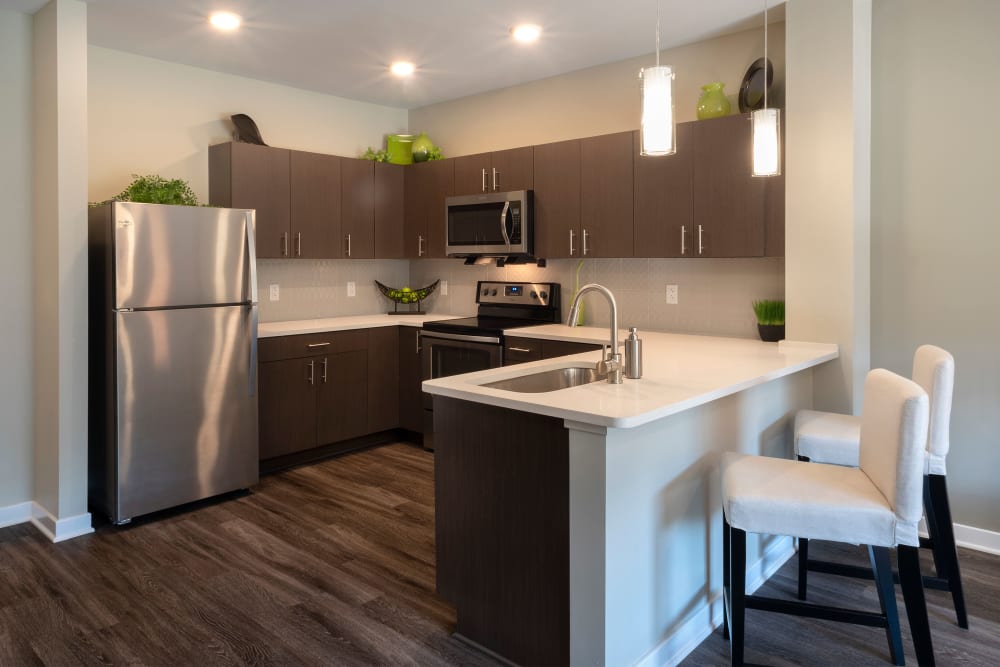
(582, 526)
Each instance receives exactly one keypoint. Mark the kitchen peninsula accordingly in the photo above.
(579, 526)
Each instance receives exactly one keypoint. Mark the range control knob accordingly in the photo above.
(493, 293)
(545, 295)
(485, 291)
(534, 295)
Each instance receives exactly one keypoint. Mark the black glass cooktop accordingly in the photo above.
(483, 325)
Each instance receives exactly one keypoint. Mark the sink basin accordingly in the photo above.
(553, 380)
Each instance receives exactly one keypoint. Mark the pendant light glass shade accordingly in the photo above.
(657, 135)
(766, 142)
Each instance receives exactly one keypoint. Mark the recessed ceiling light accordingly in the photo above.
(402, 68)
(224, 20)
(527, 32)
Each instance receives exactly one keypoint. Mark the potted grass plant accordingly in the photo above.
(770, 319)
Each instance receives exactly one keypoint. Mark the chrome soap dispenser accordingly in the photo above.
(633, 355)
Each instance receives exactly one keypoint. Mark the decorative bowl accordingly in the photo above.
(408, 296)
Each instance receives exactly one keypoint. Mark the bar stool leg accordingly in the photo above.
(803, 566)
(943, 537)
(916, 606)
(882, 569)
(725, 578)
(738, 586)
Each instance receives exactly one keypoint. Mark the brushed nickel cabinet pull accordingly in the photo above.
(571, 249)
(585, 235)
(325, 363)
(284, 244)
(298, 244)
(520, 349)
(317, 344)
(701, 246)
(496, 179)
(312, 372)
(484, 179)
(683, 233)
(420, 246)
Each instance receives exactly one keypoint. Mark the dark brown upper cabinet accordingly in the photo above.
(557, 199)
(728, 202)
(250, 176)
(500, 171)
(606, 195)
(357, 187)
(663, 199)
(315, 205)
(388, 211)
(426, 186)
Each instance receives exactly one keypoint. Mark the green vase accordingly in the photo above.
(713, 102)
(422, 146)
(399, 147)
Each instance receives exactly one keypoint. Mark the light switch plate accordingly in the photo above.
(672, 294)
(444, 288)
(351, 288)
(275, 292)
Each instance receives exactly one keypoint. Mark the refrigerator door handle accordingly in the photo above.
(252, 263)
(253, 349)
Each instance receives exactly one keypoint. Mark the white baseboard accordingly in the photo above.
(58, 530)
(703, 622)
(977, 538)
(15, 514)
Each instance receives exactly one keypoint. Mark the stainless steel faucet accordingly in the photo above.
(612, 363)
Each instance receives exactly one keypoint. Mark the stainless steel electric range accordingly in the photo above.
(452, 347)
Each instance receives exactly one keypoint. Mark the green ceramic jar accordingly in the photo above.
(713, 102)
(422, 146)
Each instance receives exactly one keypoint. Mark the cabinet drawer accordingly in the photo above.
(561, 348)
(305, 345)
(520, 350)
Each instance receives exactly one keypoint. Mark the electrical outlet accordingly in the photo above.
(275, 292)
(444, 288)
(672, 294)
(351, 288)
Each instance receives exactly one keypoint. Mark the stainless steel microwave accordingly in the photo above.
(495, 224)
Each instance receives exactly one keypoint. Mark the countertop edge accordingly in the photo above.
(345, 323)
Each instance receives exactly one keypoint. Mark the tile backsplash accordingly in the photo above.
(714, 295)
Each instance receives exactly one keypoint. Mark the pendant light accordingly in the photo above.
(766, 128)
(656, 133)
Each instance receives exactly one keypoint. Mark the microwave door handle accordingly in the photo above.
(503, 224)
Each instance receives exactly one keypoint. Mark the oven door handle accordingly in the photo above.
(429, 336)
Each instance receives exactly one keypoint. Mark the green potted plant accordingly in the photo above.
(770, 319)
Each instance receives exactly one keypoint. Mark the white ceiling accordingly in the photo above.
(460, 47)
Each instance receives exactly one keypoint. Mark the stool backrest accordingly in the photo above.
(934, 370)
(893, 437)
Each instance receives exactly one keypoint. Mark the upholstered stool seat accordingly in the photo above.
(827, 437)
(877, 503)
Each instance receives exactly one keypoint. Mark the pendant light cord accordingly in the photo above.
(765, 54)
(658, 34)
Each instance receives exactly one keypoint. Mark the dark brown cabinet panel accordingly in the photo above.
(315, 205)
(257, 177)
(518, 350)
(561, 348)
(512, 169)
(388, 211)
(383, 379)
(774, 217)
(287, 407)
(663, 215)
(472, 174)
(358, 209)
(557, 199)
(426, 187)
(411, 410)
(728, 202)
(342, 397)
(606, 195)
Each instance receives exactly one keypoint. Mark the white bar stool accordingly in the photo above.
(826, 437)
(877, 503)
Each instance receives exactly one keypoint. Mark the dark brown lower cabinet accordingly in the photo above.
(411, 409)
(287, 407)
(342, 397)
(519, 350)
(383, 379)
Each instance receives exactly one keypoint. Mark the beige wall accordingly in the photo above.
(151, 116)
(15, 257)
(935, 226)
(60, 261)
(596, 100)
(828, 152)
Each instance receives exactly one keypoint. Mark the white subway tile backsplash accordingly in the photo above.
(714, 294)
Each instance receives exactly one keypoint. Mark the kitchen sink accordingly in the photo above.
(552, 380)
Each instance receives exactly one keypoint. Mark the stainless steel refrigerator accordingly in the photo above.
(173, 346)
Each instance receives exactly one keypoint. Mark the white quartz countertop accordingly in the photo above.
(679, 372)
(295, 327)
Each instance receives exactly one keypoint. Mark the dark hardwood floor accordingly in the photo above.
(333, 564)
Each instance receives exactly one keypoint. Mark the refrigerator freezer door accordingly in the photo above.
(186, 405)
(174, 256)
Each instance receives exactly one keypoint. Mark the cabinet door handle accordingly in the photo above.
(683, 234)
(484, 179)
(312, 372)
(317, 344)
(284, 244)
(496, 179)
(585, 235)
(701, 246)
(325, 363)
(298, 244)
(420, 246)
(348, 245)
(520, 349)
(572, 250)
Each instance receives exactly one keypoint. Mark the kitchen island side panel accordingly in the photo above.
(502, 522)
